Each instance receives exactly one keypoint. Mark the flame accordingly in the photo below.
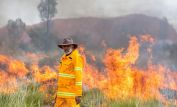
(43, 74)
(11, 71)
(14, 72)
(121, 78)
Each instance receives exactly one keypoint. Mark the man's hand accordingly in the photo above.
(78, 99)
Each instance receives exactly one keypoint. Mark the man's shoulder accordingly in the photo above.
(76, 54)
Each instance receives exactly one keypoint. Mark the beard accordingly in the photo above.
(68, 51)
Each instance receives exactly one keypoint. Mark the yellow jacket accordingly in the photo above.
(70, 75)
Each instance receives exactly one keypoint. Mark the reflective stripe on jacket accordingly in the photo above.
(70, 75)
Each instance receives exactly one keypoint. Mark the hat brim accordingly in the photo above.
(60, 45)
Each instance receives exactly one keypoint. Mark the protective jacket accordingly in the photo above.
(70, 75)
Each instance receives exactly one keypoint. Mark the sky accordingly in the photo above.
(27, 9)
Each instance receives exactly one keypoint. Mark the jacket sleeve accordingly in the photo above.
(78, 68)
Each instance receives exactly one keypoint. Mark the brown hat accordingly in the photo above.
(68, 41)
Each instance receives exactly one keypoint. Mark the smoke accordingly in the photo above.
(27, 11)
(102, 8)
(24, 9)
(113, 8)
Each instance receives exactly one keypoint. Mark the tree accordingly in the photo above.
(47, 10)
(16, 29)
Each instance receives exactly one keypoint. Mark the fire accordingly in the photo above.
(121, 78)
(43, 74)
(14, 72)
(11, 71)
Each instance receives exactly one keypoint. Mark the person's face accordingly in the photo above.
(67, 48)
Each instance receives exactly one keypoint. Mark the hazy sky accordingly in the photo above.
(27, 9)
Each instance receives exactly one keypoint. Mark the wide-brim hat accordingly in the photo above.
(68, 41)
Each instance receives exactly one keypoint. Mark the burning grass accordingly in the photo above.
(122, 79)
(95, 98)
(30, 96)
(120, 84)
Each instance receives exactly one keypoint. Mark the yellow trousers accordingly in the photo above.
(66, 102)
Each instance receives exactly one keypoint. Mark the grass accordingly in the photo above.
(94, 98)
(25, 96)
(30, 96)
(135, 103)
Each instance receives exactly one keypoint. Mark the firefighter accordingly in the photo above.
(69, 90)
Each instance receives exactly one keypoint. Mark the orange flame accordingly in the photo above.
(14, 72)
(9, 71)
(122, 79)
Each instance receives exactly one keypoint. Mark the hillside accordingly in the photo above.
(115, 31)
(87, 31)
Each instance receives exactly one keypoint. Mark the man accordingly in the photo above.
(70, 75)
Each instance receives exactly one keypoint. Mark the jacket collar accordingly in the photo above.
(73, 52)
